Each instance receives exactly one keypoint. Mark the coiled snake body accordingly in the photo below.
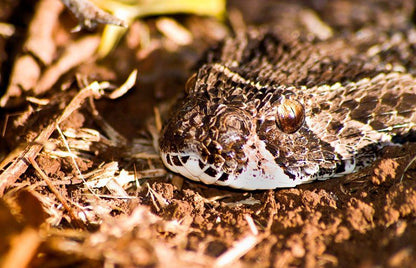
(267, 111)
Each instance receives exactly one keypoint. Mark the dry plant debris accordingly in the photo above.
(81, 182)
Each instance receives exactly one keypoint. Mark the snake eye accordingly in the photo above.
(190, 83)
(290, 116)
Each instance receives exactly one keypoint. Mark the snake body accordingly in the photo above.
(267, 110)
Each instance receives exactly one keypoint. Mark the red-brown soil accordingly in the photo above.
(133, 212)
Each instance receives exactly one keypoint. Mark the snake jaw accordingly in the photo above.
(267, 175)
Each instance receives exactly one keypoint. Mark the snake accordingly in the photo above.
(267, 110)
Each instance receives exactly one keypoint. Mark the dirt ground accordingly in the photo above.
(81, 182)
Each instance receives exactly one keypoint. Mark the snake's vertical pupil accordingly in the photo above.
(190, 83)
(290, 116)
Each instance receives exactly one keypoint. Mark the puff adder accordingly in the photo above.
(267, 111)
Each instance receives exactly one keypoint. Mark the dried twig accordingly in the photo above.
(19, 166)
(409, 164)
(241, 247)
(158, 119)
(156, 196)
(126, 86)
(75, 53)
(40, 44)
(250, 222)
(89, 15)
(78, 223)
(40, 41)
(73, 158)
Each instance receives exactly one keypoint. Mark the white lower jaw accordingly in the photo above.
(250, 179)
(269, 175)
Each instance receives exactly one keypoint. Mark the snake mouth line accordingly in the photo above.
(252, 178)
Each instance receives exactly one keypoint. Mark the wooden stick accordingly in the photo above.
(77, 222)
(32, 149)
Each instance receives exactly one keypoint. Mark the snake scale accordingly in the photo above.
(268, 109)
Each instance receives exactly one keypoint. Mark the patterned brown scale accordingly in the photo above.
(267, 111)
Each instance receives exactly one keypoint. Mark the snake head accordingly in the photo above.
(218, 134)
